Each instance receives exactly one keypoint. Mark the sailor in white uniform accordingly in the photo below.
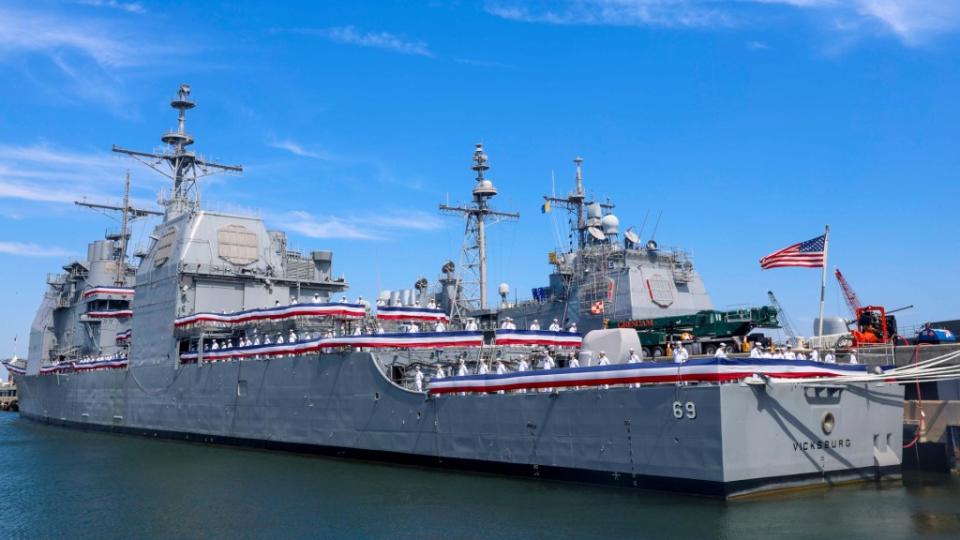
(316, 298)
(292, 337)
(755, 351)
(216, 346)
(554, 326)
(815, 355)
(788, 354)
(343, 299)
(829, 358)
(461, 368)
(522, 365)
(471, 325)
(505, 325)
(439, 374)
(380, 329)
(358, 331)
(721, 352)
(418, 379)
(266, 340)
(573, 328)
(482, 367)
(279, 339)
(679, 354)
(256, 340)
(439, 327)
(574, 362)
(535, 325)
(633, 358)
(853, 357)
(431, 305)
(548, 361)
(293, 301)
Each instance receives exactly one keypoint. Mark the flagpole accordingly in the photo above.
(823, 282)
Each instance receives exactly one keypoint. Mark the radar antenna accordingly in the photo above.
(185, 166)
(472, 291)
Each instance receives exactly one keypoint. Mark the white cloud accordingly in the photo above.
(374, 227)
(911, 21)
(297, 149)
(311, 226)
(350, 35)
(32, 250)
(129, 7)
(49, 174)
(27, 31)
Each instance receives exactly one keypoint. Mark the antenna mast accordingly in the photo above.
(185, 166)
(474, 255)
(128, 213)
(575, 202)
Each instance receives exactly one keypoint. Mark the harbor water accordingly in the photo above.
(60, 483)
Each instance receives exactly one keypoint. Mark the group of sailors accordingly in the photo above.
(787, 353)
(509, 324)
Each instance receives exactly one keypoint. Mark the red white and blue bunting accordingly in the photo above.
(111, 314)
(274, 314)
(108, 291)
(118, 362)
(123, 337)
(538, 337)
(13, 368)
(422, 340)
(407, 313)
(708, 370)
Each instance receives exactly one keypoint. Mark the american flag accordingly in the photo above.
(807, 254)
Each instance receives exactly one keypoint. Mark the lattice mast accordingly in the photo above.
(472, 292)
(184, 166)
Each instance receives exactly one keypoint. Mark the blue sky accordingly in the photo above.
(750, 124)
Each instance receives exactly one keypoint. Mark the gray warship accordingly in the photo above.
(220, 333)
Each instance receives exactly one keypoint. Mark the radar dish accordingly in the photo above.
(596, 233)
(652, 245)
(631, 236)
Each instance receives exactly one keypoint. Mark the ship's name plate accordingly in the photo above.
(824, 444)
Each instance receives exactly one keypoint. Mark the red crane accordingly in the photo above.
(851, 297)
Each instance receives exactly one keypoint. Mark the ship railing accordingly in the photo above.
(57, 280)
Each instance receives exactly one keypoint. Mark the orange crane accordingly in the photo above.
(848, 294)
(875, 325)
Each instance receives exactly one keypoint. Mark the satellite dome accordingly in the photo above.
(504, 289)
(611, 224)
(485, 187)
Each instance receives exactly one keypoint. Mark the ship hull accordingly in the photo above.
(720, 440)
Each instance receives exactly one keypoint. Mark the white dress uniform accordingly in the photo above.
(439, 374)
(535, 325)
(755, 352)
(461, 369)
(721, 353)
(574, 362)
(634, 358)
(482, 368)
(829, 359)
(554, 326)
(439, 327)
(853, 358)
(418, 380)
(603, 360)
(522, 365)
(471, 326)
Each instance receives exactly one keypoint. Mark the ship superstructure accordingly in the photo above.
(236, 339)
(608, 274)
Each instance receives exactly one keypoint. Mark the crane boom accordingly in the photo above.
(782, 316)
(848, 294)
